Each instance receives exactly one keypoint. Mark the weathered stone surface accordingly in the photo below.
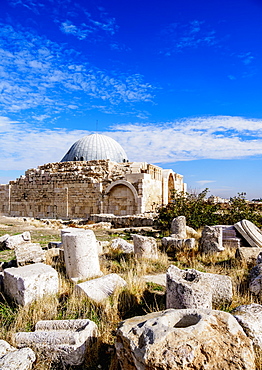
(122, 245)
(3, 239)
(250, 318)
(101, 288)
(178, 227)
(211, 240)
(15, 359)
(145, 247)
(187, 289)
(220, 286)
(191, 233)
(16, 240)
(80, 253)
(248, 254)
(28, 283)
(250, 232)
(255, 285)
(184, 339)
(60, 340)
(54, 245)
(232, 243)
(172, 244)
(29, 253)
(159, 279)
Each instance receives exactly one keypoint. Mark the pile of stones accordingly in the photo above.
(192, 333)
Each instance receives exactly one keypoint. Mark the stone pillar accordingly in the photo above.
(80, 252)
(187, 289)
(178, 227)
(145, 247)
(211, 240)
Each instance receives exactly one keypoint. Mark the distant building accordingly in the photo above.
(94, 176)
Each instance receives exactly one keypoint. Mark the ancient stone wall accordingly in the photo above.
(78, 189)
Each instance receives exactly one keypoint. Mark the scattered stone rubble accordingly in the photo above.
(211, 240)
(12, 358)
(27, 283)
(60, 340)
(80, 253)
(15, 240)
(178, 227)
(101, 288)
(250, 232)
(184, 339)
(145, 247)
(187, 335)
(122, 245)
(250, 318)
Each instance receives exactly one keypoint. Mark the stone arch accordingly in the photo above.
(168, 183)
(121, 198)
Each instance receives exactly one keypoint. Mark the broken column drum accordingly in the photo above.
(80, 253)
(178, 227)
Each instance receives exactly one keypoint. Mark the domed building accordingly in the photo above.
(94, 177)
(95, 147)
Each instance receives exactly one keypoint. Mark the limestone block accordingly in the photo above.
(60, 340)
(145, 247)
(231, 243)
(159, 279)
(54, 245)
(250, 232)
(191, 233)
(250, 318)
(178, 227)
(27, 253)
(3, 239)
(255, 285)
(172, 244)
(184, 339)
(187, 289)
(211, 240)
(101, 288)
(122, 245)
(195, 281)
(15, 240)
(80, 253)
(28, 283)
(248, 254)
(15, 359)
(103, 246)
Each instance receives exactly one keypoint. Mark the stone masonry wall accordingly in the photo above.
(78, 189)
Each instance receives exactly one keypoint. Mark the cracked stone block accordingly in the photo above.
(60, 340)
(12, 358)
(28, 283)
(101, 288)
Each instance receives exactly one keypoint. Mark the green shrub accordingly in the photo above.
(200, 212)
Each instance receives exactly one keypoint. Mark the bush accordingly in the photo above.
(200, 212)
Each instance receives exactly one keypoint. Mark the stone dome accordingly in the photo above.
(95, 147)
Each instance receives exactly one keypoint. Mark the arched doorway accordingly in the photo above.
(171, 187)
(121, 199)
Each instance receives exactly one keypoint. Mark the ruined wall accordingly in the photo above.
(78, 189)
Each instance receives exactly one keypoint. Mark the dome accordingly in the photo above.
(95, 147)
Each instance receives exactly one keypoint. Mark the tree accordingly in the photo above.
(200, 212)
(197, 210)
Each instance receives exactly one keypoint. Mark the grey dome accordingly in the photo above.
(95, 147)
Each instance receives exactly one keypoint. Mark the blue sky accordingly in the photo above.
(176, 82)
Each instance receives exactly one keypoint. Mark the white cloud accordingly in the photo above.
(40, 74)
(204, 182)
(26, 146)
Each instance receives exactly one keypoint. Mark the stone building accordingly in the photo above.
(93, 177)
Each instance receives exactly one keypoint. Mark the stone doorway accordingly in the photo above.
(121, 201)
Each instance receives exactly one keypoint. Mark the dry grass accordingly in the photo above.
(137, 298)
